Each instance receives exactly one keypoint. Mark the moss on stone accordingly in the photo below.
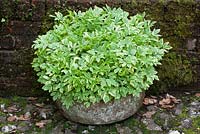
(176, 70)
(4, 101)
(157, 119)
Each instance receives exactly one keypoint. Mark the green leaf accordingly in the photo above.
(47, 87)
(113, 92)
(46, 77)
(109, 82)
(117, 70)
(103, 82)
(3, 20)
(106, 97)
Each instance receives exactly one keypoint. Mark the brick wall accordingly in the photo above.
(23, 20)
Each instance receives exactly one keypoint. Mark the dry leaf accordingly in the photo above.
(149, 114)
(12, 109)
(176, 100)
(24, 117)
(148, 101)
(165, 101)
(42, 123)
(170, 96)
(39, 104)
(154, 97)
(197, 94)
(168, 101)
(35, 113)
(168, 106)
(11, 118)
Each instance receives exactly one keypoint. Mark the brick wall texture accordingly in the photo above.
(23, 20)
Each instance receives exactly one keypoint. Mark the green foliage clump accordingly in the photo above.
(98, 55)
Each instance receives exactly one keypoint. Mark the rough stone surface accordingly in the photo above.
(178, 109)
(56, 123)
(151, 125)
(24, 126)
(123, 130)
(187, 123)
(2, 119)
(102, 113)
(194, 110)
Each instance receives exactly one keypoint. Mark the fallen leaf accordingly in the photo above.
(42, 123)
(12, 109)
(169, 101)
(11, 118)
(154, 97)
(39, 104)
(197, 94)
(168, 106)
(165, 101)
(32, 98)
(148, 101)
(35, 113)
(149, 114)
(176, 100)
(24, 117)
(170, 96)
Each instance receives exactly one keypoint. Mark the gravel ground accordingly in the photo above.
(165, 114)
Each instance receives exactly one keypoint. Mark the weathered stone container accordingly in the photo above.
(103, 113)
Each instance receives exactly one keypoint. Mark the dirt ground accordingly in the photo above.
(173, 113)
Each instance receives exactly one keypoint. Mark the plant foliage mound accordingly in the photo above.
(100, 54)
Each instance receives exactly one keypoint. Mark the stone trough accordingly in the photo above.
(103, 113)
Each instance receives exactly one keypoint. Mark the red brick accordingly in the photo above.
(53, 4)
(21, 28)
(23, 10)
(16, 57)
(24, 42)
(7, 42)
(38, 9)
(7, 9)
(12, 70)
(22, 86)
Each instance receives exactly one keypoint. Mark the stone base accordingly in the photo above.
(103, 113)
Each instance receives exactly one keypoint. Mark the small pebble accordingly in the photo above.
(195, 103)
(27, 114)
(187, 93)
(91, 128)
(8, 128)
(164, 116)
(43, 115)
(2, 106)
(174, 132)
(151, 125)
(187, 123)
(152, 108)
(178, 109)
(85, 132)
